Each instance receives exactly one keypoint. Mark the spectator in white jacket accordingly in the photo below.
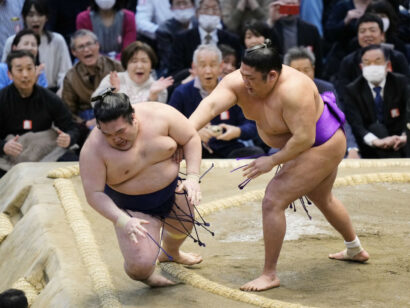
(150, 14)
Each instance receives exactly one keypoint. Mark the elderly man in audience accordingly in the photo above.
(376, 104)
(82, 80)
(35, 125)
(220, 138)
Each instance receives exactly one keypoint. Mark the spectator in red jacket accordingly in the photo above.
(114, 27)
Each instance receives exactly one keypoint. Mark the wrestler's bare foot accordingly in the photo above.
(362, 256)
(186, 258)
(156, 281)
(261, 283)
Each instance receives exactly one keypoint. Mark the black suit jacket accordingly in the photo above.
(360, 107)
(186, 42)
(308, 36)
(350, 69)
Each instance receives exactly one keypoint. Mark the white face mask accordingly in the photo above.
(185, 15)
(386, 24)
(209, 22)
(105, 4)
(374, 74)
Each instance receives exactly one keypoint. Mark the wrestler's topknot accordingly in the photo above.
(110, 106)
(263, 58)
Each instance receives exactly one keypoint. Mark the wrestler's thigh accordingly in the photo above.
(321, 195)
(181, 208)
(145, 250)
(303, 174)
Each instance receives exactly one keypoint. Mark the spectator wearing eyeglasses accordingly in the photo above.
(82, 80)
(207, 32)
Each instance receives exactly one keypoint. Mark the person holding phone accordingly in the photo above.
(293, 31)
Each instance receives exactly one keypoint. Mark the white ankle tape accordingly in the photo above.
(353, 248)
(353, 244)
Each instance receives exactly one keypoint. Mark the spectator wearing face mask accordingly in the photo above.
(115, 28)
(207, 32)
(375, 105)
(183, 19)
(369, 32)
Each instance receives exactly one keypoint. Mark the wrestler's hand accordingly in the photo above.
(178, 155)
(259, 166)
(132, 226)
(192, 188)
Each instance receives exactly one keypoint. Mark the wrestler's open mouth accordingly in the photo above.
(122, 143)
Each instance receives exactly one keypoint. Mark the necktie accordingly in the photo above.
(208, 39)
(378, 101)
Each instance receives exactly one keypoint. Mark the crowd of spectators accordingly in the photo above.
(357, 52)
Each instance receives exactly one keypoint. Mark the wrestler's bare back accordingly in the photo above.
(270, 123)
(145, 167)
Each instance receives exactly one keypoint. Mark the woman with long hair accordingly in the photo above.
(53, 49)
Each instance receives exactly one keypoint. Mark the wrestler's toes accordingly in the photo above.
(362, 256)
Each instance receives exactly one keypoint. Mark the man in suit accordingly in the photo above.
(375, 105)
(369, 31)
(303, 60)
(183, 19)
(207, 32)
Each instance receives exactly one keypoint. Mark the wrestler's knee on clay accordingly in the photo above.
(140, 271)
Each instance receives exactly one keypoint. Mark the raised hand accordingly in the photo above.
(160, 84)
(63, 139)
(115, 81)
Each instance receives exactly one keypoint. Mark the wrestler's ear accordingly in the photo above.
(272, 75)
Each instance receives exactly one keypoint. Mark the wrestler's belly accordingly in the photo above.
(149, 179)
(275, 141)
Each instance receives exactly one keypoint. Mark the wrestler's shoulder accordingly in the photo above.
(232, 80)
(294, 80)
(94, 142)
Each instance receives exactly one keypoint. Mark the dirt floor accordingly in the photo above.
(380, 213)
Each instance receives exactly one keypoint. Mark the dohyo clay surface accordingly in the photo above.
(62, 253)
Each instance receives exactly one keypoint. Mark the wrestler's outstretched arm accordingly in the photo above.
(299, 114)
(184, 133)
(93, 177)
(221, 98)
